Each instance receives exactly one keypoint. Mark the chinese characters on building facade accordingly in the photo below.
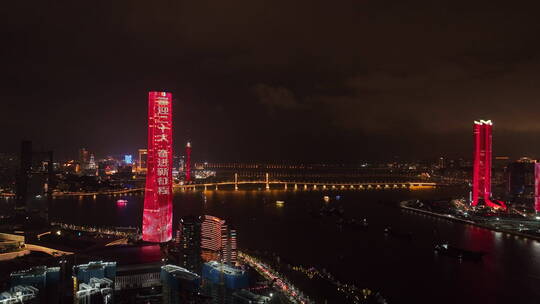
(157, 215)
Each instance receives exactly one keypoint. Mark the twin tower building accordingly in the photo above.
(481, 185)
(482, 158)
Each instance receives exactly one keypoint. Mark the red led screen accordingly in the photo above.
(157, 215)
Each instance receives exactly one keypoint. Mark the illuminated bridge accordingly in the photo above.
(273, 185)
(285, 185)
(112, 192)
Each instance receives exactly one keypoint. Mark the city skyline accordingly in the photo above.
(271, 152)
(103, 153)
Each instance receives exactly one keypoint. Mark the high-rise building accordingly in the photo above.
(218, 241)
(500, 162)
(181, 164)
(157, 214)
(190, 243)
(35, 177)
(230, 251)
(537, 187)
(481, 188)
(143, 155)
(179, 285)
(520, 178)
(92, 162)
(441, 163)
(188, 162)
(98, 269)
(211, 233)
(84, 158)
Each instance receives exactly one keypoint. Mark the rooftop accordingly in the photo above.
(179, 272)
(35, 271)
(225, 268)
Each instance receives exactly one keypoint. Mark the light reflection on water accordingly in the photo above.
(403, 271)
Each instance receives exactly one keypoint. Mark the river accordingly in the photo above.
(403, 271)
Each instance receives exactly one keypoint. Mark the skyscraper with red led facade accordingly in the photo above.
(537, 187)
(188, 162)
(481, 188)
(157, 214)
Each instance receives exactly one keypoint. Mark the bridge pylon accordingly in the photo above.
(236, 181)
(267, 182)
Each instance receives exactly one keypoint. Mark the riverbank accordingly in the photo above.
(403, 205)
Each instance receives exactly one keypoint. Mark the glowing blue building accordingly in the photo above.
(230, 277)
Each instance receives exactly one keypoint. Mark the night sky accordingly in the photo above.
(270, 79)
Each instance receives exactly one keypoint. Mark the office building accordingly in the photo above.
(223, 274)
(143, 156)
(230, 251)
(137, 276)
(188, 162)
(35, 177)
(189, 240)
(92, 162)
(520, 178)
(179, 285)
(84, 158)
(96, 291)
(218, 241)
(211, 233)
(99, 270)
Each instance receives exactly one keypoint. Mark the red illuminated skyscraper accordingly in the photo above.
(537, 187)
(157, 215)
(481, 190)
(188, 162)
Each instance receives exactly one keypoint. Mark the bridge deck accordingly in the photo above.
(285, 184)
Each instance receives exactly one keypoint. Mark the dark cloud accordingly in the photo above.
(345, 80)
(275, 97)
